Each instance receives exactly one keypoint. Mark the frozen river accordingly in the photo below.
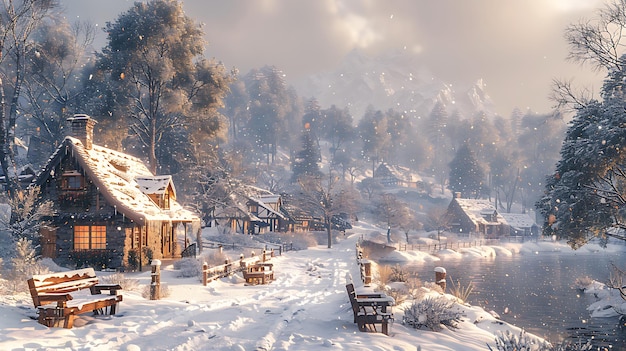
(535, 292)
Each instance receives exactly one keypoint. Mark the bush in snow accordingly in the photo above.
(127, 284)
(189, 267)
(461, 292)
(383, 273)
(581, 283)
(399, 274)
(433, 313)
(510, 342)
(213, 258)
(434, 287)
(165, 291)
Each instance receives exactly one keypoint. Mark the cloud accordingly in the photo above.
(517, 47)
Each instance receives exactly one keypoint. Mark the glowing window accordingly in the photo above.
(90, 237)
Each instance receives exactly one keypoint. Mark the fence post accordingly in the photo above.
(155, 285)
(205, 273)
(440, 277)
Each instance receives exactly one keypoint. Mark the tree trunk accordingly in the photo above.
(7, 157)
(329, 231)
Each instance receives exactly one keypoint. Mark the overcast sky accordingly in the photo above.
(516, 46)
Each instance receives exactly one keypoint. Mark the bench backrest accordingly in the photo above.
(352, 296)
(61, 282)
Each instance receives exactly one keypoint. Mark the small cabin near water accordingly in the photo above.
(111, 211)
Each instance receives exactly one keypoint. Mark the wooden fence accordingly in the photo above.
(210, 274)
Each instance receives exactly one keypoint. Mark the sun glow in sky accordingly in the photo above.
(516, 47)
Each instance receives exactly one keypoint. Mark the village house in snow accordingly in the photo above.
(111, 211)
(480, 218)
(390, 175)
(251, 211)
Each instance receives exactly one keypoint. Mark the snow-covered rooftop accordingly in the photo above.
(116, 173)
(518, 220)
(477, 208)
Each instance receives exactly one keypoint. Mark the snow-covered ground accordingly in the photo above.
(305, 308)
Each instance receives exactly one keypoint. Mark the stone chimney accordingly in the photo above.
(82, 129)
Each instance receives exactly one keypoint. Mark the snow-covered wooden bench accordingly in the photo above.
(370, 308)
(64, 295)
(259, 273)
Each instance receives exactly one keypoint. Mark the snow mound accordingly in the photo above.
(408, 257)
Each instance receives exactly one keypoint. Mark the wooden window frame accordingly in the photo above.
(90, 237)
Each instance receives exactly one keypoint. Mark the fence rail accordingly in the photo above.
(210, 274)
(433, 248)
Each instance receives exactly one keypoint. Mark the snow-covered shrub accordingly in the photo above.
(399, 274)
(434, 287)
(399, 295)
(383, 273)
(511, 342)
(127, 284)
(581, 283)
(213, 258)
(433, 313)
(165, 291)
(461, 292)
(188, 267)
(415, 288)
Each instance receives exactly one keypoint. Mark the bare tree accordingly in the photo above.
(318, 195)
(18, 20)
(437, 218)
(598, 42)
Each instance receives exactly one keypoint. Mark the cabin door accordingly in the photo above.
(48, 241)
(166, 234)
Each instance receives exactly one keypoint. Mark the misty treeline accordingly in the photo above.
(156, 95)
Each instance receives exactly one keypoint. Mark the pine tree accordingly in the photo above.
(307, 160)
(25, 257)
(466, 174)
(585, 195)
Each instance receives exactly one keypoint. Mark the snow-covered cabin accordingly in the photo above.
(25, 175)
(520, 224)
(471, 217)
(390, 175)
(111, 211)
(251, 211)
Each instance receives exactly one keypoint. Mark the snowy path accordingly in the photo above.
(305, 308)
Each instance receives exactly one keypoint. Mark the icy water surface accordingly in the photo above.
(534, 292)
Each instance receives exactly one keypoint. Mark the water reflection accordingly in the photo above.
(535, 292)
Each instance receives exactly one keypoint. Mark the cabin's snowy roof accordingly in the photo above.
(115, 174)
(402, 173)
(518, 220)
(476, 208)
(154, 184)
(268, 207)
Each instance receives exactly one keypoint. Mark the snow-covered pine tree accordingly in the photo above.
(307, 159)
(24, 263)
(585, 196)
(466, 174)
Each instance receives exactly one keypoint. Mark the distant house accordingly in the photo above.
(470, 217)
(251, 211)
(520, 224)
(25, 176)
(389, 175)
(111, 211)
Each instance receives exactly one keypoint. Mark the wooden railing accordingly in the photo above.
(210, 274)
